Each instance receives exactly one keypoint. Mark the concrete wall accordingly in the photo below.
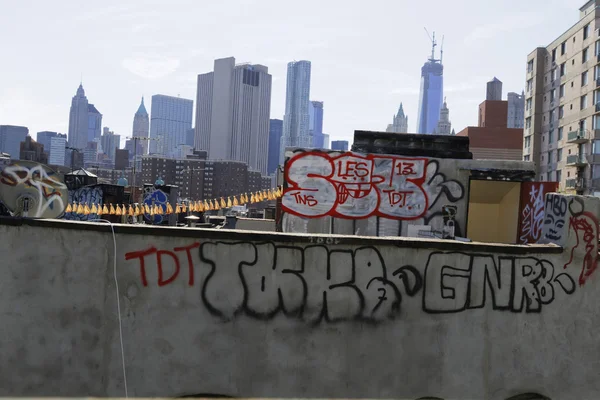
(255, 224)
(256, 315)
(377, 194)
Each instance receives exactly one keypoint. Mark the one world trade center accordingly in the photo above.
(432, 92)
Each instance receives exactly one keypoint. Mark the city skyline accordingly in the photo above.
(161, 56)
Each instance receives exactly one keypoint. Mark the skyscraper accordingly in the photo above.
(54, 146)
(79, 120)
(56, 155)
(110, 142)
(296, 120)
(94, 123)
(10, 139)
(171, 117)
(516, 109)
(399, 123)
(315, 116)
(494, 90)
(141, 126)
(275, 132)
(339, 145)
(232, 113)
(444, 127)
(432, 92)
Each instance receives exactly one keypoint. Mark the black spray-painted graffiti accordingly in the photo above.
(555, 215)
(316, 283)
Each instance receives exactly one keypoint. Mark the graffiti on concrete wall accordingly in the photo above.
(35, 184)
(531, 210)
(555, 217)
(354, 186)
(154, 196)
(85, 195)
(585, 227)
(320, 283)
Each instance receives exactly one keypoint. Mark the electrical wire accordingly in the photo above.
(112, 228)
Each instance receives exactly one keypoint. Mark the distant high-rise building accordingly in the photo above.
(444, 126)
(315, 114)
(296, 121)
(516, 110)
(325, 141)
(141, 127)
(90, 153)
(171, 117)
(121, 159)
(275, 132)
(432, 93)
(94, 123)
(494, 90)
(110, 142)
(339, 145)
(10, 139)
(232, 113)
(44, 139)
(32, 151)
(190, 137)
(79, 120)
(56, 155)
(400, 122)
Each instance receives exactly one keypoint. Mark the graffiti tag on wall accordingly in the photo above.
(353, 186)
(317, 283)
(84, 195)
(35, 184)
(531, 210)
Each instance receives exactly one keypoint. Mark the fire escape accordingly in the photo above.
(581, 160)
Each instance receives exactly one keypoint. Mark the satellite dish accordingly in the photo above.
(33, 190)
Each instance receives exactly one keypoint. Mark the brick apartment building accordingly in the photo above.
(492, 139)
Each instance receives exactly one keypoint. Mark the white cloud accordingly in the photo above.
(150, 67)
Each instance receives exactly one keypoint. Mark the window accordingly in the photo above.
(561, 90)
(527, 142)
(597, 48)
(554, 55)
(584, 78)
(563, 69)
(530, 66)
(583, 102)
(563, 48)
(560, 133)
(551, 136)
(553, 74)
(549, 157)
(526, 158)
(552, 94)
(586, 31)
(584, 55)
(558, 155)
(561, 112)
(530, 85)
(528, 104)
(558, 175)
(551, 116)
(528, 123)
(596, 147)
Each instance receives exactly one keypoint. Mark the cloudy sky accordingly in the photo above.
(366, 55)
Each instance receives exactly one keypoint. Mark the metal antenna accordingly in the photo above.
(433, 43)
(442, 50)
